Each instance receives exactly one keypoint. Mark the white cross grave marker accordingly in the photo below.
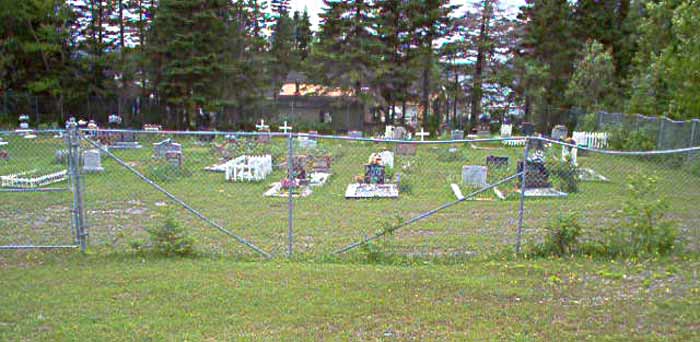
(285, 128)
(262, 126)
(422, 134)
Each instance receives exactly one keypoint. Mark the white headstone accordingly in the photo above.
(474, 175)
(165, 146)
(387, 158)
(506, 130)
(92, 161)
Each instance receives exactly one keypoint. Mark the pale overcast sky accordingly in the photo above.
(315, 6)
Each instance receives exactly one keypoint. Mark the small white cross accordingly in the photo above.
(422, 134)
(285, 128)
(262, 125)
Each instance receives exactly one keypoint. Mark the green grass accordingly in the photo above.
(119, 205)
(443, 278)
(73, 297)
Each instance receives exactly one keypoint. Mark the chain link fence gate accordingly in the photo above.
(41, 190)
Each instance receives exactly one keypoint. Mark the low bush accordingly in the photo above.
(562, 237)
(623, 139)
(170, 238)
(644, 229)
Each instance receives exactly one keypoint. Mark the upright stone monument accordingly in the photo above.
(474, 175)
(92, 161)
(560, 132)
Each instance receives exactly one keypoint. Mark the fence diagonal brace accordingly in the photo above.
(425, 215)
(180, 202)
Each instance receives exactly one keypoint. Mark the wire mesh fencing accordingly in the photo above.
(306, 195)
(616, 197)
(35, 188)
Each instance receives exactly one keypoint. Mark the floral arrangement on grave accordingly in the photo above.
(299, 176)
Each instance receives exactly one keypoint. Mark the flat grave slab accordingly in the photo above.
(357, 191)
(590, 175)
(544, 192)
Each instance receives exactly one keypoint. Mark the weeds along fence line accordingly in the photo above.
(660, 133)
(306, 195)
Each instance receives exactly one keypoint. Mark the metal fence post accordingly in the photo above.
(521, 210)
(659, 137)
(693, 132)
(290, 199)
(74, 170)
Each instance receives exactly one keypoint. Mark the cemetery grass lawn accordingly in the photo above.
(120, 206)
(67, 296)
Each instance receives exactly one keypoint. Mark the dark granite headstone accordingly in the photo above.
(537, 175)
(374, 174)
(527, 128)
(496, 162)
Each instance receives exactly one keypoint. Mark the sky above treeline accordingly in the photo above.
(315, 7)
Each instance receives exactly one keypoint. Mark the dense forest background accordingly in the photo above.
(188, 56)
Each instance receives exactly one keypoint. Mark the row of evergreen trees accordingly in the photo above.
(634, 55)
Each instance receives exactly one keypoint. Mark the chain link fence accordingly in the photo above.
(346, 195)
(36, 190)
(661, 132)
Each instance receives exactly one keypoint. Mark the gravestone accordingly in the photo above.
(374, 174)
(387, 158)
(174, 158)
(92, 161)
(114, 121)
(560, 132)
(506, 130)
(527, 128)
(165, 146)
(496, 162)
(24, 121)
(401, 133)
(537, 175)
(313, 133)
(457, 134)
(474, 175)
(61, 156)
(355, 134)
(406, 149)
(322, 164)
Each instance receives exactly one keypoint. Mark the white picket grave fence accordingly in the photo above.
(597, 140)
(514, 142)
(248, 168)
(24, 180)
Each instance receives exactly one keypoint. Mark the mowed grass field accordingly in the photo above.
(455, 279)
(119, 206)
(70, 297)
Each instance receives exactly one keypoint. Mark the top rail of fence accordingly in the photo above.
(625, 153)
(368, 139)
